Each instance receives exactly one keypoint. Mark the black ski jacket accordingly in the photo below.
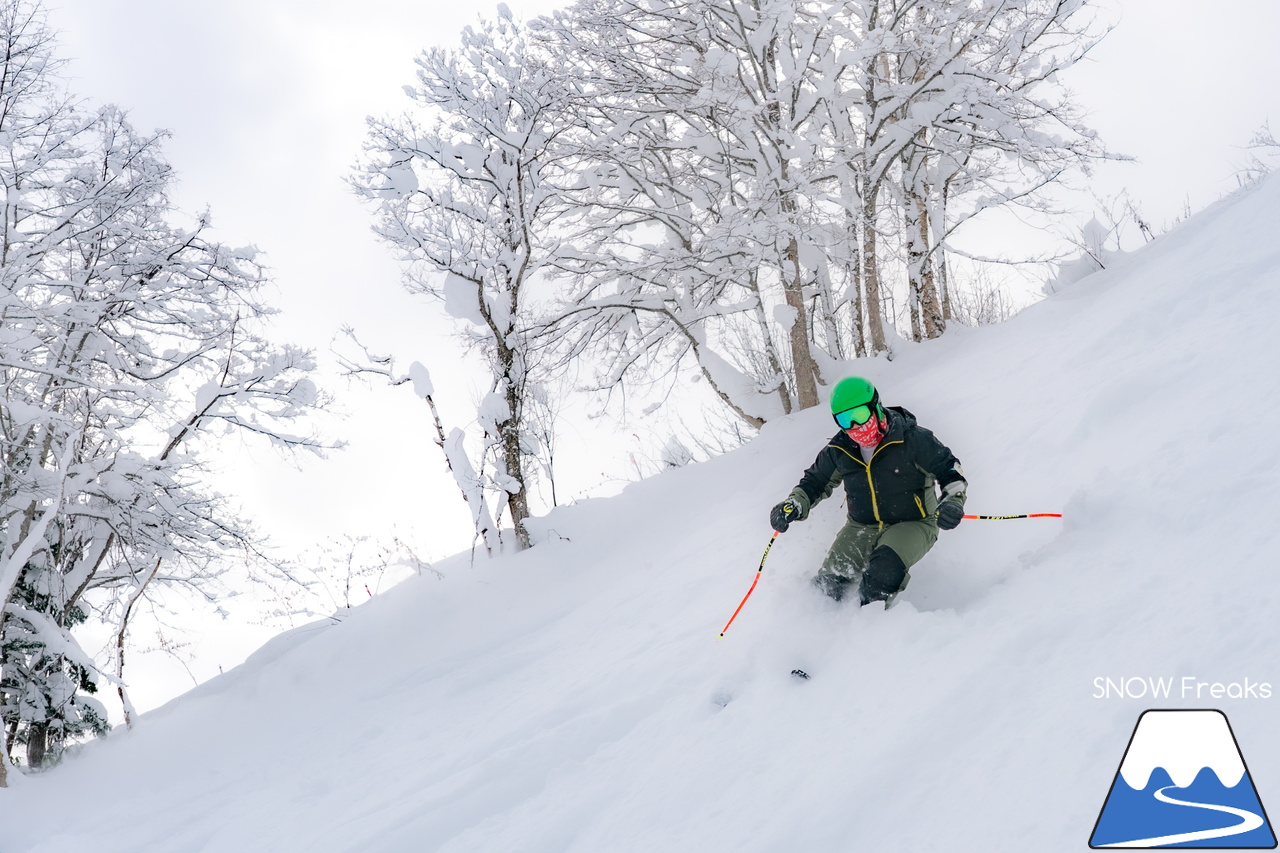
(898, 483)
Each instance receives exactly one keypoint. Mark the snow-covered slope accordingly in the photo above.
(575, 697)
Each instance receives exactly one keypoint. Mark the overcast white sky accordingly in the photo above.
(267, 102)
(267, 99)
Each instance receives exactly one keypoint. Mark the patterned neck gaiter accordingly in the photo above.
(868, 434)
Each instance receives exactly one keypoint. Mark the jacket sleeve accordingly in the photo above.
(819, 480)
(934, 457)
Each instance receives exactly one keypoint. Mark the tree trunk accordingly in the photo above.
(6, 740)
(940, 254)
(120, 635)
(509, 437)
(930, 310)
(855, 275)
(830, 331)
(926, 316)
(802, 363)
(440, 440)
(913, 308)
(944, 285)
(37, 744)
(915, 261)
(871, 274)
(806, 370)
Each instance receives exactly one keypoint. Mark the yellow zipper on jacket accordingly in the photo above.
(871, 486)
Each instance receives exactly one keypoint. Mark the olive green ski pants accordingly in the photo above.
(856, 545)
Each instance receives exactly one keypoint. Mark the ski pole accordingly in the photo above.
(753, 585)
(1029, 515)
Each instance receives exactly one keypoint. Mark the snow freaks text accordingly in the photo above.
(1185, 687)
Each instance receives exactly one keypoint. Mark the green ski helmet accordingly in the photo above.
(854, 401)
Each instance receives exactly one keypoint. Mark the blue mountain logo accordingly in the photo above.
(1183, 783)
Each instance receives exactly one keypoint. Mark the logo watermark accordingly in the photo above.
(1187, 687)
(1183, 783)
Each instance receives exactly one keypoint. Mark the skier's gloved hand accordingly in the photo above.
(949, 514)
(783, 514)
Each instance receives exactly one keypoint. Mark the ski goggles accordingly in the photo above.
(858, 415)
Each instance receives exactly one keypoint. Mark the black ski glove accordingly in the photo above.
(949, 514)
(783, 514)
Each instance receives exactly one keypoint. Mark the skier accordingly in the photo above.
(889, 466)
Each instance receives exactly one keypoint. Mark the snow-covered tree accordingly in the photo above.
(465, 191)
(697, 229)
(960, 112)
(740, 188)
(755, 167)
(122, 338)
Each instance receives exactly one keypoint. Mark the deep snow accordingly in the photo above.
(575, 698)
